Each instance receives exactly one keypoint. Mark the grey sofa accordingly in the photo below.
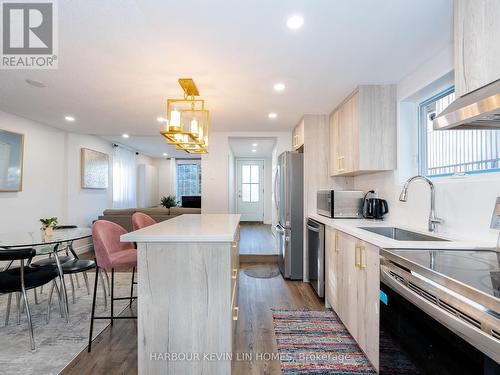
(123, 216)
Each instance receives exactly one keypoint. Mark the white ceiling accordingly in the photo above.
(150, 145)
(120, 59)
(242, 147)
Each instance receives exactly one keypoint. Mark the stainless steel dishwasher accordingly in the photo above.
(316, 255)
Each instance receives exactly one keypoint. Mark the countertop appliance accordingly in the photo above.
(373, 207)
(458, 288)
(315, 246)
(288, 198)
(340, 204)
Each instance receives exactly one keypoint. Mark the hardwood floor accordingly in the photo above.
(255, 331)
(115, 350)
(257, 238)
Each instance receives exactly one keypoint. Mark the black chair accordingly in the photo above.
(20, 279)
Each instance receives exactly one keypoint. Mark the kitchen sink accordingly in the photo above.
(399, 234)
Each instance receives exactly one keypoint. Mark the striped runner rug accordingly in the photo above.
(316, 342)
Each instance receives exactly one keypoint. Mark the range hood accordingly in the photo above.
(479, 109)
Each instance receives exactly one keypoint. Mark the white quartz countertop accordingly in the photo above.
(351, 226)
(188, 228)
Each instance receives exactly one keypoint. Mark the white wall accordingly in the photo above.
(51, 179)
(166, 177)
(44, 169)
(215, 167)
(466, 203)
(231, 181)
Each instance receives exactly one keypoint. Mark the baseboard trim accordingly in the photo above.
(259, 258)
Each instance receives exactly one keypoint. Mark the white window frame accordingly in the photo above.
(422, 143)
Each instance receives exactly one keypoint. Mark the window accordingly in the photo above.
(188, 178)
(250, 180)
(448, 152)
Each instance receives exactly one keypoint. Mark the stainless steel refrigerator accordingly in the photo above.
(288, 190)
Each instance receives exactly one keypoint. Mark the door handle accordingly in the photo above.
(357, 256)
(362, 255)
(313, 229)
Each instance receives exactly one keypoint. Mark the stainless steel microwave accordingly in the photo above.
(340, 204)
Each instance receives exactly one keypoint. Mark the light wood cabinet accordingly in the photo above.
(363, 132)
(352, 288)
(298, 135)
(477, 52)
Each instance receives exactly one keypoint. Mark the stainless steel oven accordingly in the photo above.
(316, 255)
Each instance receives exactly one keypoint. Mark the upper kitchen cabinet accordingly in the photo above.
(477, 48)
(298, 136)
(363, 132)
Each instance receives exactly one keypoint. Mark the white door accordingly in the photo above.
(250, 189)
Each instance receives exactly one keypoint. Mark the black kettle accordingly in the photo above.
(374, 208)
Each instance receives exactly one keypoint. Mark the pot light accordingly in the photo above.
(165, 154)
(295, 21)
(125, 135)
(279, 86)
(254, 144)
(35, 83)
(69, 118)
(272, 115)
(254, 150)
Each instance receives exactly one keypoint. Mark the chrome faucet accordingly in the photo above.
(433, 220)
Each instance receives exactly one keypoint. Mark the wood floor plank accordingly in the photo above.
(115, 350)
(257, 238)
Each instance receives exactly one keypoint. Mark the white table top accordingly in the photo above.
(189, 228)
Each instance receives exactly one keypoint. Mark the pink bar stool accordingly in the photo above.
(110, 254)
(140, 220)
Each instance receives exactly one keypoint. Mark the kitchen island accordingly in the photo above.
(187, 294)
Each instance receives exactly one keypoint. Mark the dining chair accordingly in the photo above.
(140, 220)
(111, 254)
(23, 278)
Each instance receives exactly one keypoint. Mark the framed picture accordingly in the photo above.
(11, 161)
(94, 169)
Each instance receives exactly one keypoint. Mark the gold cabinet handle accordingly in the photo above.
(341, 163)
(362, 255)
(234, 244)
(234, 274)
(357, 256)
(236, 312)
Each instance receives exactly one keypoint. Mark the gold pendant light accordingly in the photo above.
(188, 121)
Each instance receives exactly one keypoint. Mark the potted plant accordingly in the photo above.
(48, 225)
(169, 201)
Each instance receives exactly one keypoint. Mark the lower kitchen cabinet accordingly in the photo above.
(352, 288)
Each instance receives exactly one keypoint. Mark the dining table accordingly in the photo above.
(45, 245)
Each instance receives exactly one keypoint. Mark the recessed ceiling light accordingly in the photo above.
(254, 150)
(254, 144)
(69, 118)
(295, 21)
(35, 83)
(125, 135)
(165, 154)
(272, 115)
(161, 119)
(279, 86)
